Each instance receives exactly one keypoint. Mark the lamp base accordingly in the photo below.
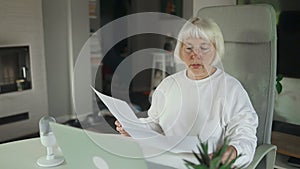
(44, 162)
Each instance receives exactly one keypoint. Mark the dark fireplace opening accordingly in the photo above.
(15, 72)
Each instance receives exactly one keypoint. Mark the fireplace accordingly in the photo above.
(15, 74)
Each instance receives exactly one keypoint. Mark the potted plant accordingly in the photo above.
(213, 162)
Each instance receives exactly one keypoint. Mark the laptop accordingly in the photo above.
(86, 149)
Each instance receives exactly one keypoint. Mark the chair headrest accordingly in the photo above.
(243, 23)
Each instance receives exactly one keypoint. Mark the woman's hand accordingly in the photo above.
(230, 154)
(120, 129)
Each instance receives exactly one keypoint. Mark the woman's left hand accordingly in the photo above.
(230, 154)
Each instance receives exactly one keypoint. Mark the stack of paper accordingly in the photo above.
(139, 131)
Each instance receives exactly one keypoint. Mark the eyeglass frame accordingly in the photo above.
(203, 50)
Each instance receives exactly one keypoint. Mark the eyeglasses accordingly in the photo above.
(203, 49)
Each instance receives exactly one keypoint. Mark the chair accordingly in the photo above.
(250, 56)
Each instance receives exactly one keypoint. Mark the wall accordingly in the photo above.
(56, 45)
(66, 27)
(287, 102)
(21, 23)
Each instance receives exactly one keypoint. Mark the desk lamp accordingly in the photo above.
(48, 140)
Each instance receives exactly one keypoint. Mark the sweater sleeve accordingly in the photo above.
(157, 103)
(241, 122)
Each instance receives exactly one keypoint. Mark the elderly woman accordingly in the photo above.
(203, 100)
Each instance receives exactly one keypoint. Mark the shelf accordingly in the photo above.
(287, 144)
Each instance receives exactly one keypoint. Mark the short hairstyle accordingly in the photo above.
(204, 28)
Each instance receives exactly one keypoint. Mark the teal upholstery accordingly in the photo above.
(250, 56)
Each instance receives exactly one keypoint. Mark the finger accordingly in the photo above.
(123, 132)
(225, 158)
(117, 123)
(120, 129)
(126, 134)
(229, 155)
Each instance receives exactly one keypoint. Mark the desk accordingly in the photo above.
(23, 155)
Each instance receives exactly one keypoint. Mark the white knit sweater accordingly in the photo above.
(212, 108)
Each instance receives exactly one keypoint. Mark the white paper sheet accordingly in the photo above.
(139, 131)
(125, 115)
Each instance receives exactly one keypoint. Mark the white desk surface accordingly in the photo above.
(24, 153)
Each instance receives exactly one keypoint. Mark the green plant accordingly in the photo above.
(214, 162)
(278, 84)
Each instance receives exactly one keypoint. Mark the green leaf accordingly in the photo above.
(278, 87)
(192, 165)
(198, 158)
(189, 163)
(215, 163)
(208, 163)
(204, 153)
(222, 150)
(279, 77)
(229, 165)
(204, 147)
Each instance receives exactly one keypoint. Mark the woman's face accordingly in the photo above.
(198, 55)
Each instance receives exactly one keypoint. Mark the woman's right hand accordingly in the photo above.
(120, 129)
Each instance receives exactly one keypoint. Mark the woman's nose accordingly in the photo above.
(196, 55)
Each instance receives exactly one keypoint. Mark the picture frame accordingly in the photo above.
(92, 9)
(172, 7)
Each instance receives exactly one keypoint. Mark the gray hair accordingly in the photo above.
(203, 28)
